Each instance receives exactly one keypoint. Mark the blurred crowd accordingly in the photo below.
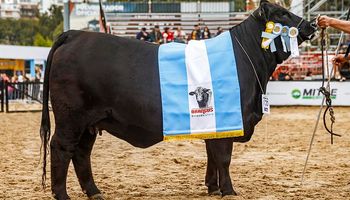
(20, 77)
(21, 86)
(175, 35)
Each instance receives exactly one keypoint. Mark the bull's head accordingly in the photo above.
(275, 13)
(202, 96)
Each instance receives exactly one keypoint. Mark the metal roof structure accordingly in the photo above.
(23, 52)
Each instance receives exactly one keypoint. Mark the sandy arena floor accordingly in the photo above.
(268, 167)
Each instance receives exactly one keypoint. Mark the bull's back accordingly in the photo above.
(99, 73)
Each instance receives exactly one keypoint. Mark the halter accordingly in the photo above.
(301, 21)
(298, 27)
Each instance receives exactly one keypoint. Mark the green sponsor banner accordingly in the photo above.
(309, 94)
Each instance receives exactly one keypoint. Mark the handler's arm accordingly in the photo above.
(342, 25)
(339, 60)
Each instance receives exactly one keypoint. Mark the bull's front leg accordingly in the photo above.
(219, 158)
(211, 177)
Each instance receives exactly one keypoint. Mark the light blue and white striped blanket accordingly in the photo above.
(200, 89)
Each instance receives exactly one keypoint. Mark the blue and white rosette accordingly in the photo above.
(285, 38)
(277, 32)
(293, 34)
(271, 37)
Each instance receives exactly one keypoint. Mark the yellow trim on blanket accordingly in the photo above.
(211, 135)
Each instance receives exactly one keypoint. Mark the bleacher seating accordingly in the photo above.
(129, 24)
(307, 61)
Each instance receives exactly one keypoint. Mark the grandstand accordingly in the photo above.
(213, 14)
(176, 13)
(129, 24)
(126, 18)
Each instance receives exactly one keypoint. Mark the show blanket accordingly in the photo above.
(200, 89)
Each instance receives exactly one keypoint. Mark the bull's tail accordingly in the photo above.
(45, 117)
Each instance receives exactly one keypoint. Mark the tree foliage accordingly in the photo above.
(38, 31)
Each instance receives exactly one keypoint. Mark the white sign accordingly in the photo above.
(306, 93)
(85, 9)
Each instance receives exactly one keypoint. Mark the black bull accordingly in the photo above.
(102, 82)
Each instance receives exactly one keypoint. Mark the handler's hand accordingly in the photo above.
(339, 59)
(324, 21)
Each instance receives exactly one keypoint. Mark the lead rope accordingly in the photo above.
(326, 90)
(328, 99)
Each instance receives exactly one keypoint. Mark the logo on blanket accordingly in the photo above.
(203, 98)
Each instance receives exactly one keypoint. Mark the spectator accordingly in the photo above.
(14, 79)
(20, 86)
(37, 79)
(344, 70)
(219, 31)
(308, 76)
(206, 33)
(179, 35)
(20, 77)
(196, 33)
(5, 77)
(285, 75)
(37, 74)
(156, 35)
(168, 36)
(143, 35)
(25, 78)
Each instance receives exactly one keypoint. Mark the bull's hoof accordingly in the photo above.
(56, 197)
(97, 197)
(229, 193)
(214, 192)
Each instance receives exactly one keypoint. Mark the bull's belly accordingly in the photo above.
(135, 135)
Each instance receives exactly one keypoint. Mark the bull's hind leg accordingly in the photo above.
(82, 165)
(60, 158)
(63, 145)
(221, 151)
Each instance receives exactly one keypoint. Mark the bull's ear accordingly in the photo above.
(263, 10)
(264, 1)
(191, 93)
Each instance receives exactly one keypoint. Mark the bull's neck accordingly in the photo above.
(249, 35)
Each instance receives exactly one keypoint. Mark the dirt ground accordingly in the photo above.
(268, 167)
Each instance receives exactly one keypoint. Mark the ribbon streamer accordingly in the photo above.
(285, 38)
(268, 30)
(276, 31)
(270, 40)
(270, 34)
(293, 33)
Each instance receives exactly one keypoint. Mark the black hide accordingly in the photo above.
(102, 82)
